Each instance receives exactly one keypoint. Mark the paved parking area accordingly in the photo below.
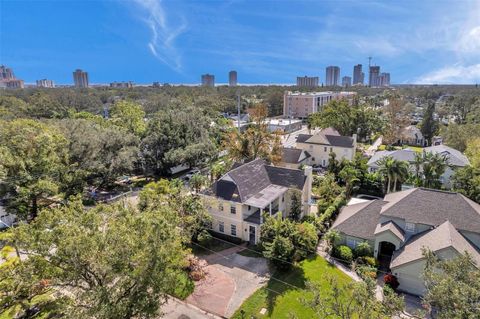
(231, 279)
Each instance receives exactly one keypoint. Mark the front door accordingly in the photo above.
(252, 235)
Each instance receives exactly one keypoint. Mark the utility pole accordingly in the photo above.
(238, 110)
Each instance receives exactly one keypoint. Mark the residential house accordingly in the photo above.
(239, 198)
(455, 160)
(403, 223)
(293, 158)
(411, 135)
(326, 141)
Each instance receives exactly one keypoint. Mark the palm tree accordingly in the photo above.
(434, 165)
(393, 170)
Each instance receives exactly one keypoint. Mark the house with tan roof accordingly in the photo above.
(327, 141)
(401, 225)
(238, 200)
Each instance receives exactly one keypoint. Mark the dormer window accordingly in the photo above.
(410, 227)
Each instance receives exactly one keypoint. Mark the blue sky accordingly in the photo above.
(427, 41)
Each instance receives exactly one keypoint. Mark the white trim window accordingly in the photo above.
(233, 230)
(352, 243)
(221, 227)
(410, 227)
(233, 209)
(220, 206)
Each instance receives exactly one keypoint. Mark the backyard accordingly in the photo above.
(282, 300)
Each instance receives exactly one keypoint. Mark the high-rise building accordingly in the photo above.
(346, 81)
(373, 76)
(332, 76)
(357, 75)
(301, 105)
(128, 84)
(44, 83)
(80, 78)
(384, 79)
(232, 78)
(208, 80)
(307, 81)
(8, 79)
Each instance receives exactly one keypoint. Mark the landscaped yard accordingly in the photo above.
(287, 300)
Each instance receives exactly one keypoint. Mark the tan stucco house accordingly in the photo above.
(239, 198)
(326, 141)
(403, 223)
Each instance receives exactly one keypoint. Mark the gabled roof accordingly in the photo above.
(442, 237)
(400, 155)
(454, 157)
(294, 155)
(328, 136)
(359, 220)
(254, 178)
(433, 207)
(391, 227)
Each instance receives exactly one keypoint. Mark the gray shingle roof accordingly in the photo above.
(302, 138)
(359, 220)
(251, 178)
(293, 155)
(332, 140)
(454, 157)
(400, 155)
(444, 236)
(433, 207)
(391, 227)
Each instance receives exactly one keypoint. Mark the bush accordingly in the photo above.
(305, 239)
(232, 239)
(344, 253)
(204, 238)
(362, 250)
(368, 260)
(366, 271)
(391, 281)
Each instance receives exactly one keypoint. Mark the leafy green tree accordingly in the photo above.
(457, 136)
(350, 176)
(98, 153)
(348, 119)
(304, 240)
(453, 288)
(333, 164)
(106, 262)
(280, 251)
(433, 167)
(12, 107)
(429, 126)
(295, 205)
(34, 159)
(43, 105)
(326, 192)
(256, 142)
(176, 137)
(394, 171)
(197, 182)
(396, 116)
(466, 181)
(130, 116)
(353, 300)
(473, 152)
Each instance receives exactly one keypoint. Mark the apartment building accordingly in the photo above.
(301, 104)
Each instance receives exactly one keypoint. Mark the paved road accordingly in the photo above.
(289, 140)
(176, 309)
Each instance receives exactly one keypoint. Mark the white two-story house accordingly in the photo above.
(239, 198)
(327, 141)
(403, 223)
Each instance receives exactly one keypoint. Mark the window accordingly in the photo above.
(410, 227)
(325, 149)
(331, 149)
(220, 207)
(352, 243)
(208, 224)
(249, 207)
(233, 230)
(283, 198)
(221, 227)
(233, 209)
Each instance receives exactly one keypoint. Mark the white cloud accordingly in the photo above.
(162, 42)
(453, 74)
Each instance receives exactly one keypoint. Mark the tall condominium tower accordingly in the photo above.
(232, 78)
(384, 79)
(357, 74)
(373, 76)
(346, 81)
(208, 80)
(80, 78)
(332, 76)
(45, 83)
(307, 81)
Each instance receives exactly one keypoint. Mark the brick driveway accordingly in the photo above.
(231, 278)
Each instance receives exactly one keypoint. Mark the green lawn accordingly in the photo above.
(287, 300)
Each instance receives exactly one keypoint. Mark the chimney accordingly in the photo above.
(354, 136)
(308, 172)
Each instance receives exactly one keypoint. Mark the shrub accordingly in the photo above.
(305, 239)
(362, 250)
(344, 253)
(368, 260)
(391, 281)
(366, 271)
(204, 238)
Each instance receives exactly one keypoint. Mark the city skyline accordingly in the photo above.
(175, 42)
